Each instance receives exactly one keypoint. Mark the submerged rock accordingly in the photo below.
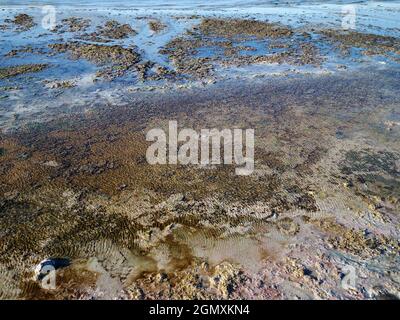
(52, 263)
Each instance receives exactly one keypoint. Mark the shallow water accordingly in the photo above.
(178, 3)
(324, 195)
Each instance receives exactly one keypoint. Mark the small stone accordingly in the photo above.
(121, 187)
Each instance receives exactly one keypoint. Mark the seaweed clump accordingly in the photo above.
(23, 22)
(73, 24)
(16, 52)
(372, 44)
(117, 59)
(156, 26)
(114, 30)
(235, 27)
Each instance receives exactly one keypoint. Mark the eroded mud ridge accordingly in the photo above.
(325, 195)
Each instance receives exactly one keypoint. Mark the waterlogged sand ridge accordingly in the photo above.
(305, 213)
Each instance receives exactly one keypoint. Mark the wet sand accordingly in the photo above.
(324, 195)
(76, 187)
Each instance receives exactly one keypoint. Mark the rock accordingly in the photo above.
(43, 267)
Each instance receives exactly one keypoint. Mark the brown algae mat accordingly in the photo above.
(324, 196)
(131, 230)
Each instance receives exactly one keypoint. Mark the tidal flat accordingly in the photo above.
(76, 190)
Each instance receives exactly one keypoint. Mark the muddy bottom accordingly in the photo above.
(84, 215)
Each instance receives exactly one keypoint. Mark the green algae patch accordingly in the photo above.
(234, 27)
(23, 22)
(63, 84)
(366, 161)
(73, 24)
(230, 41)
(13, 71)
(287, 226)
(99, 54)
(9, 88)
(114, 30)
